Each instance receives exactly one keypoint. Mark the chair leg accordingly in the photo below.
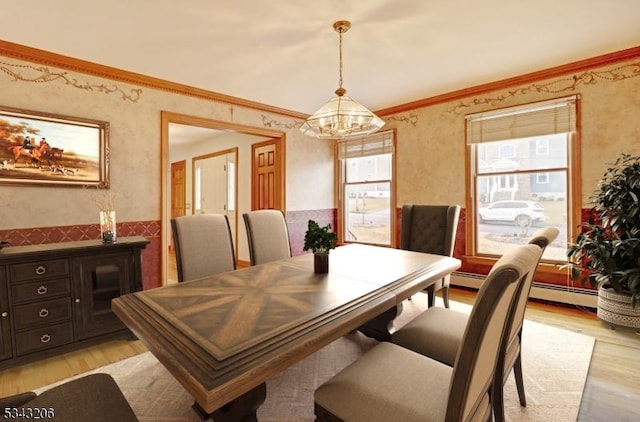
(431, 297)
(445, 296)
(517, 372)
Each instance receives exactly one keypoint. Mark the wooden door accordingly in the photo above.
(178, 188)
(266, 176)
(213, 184)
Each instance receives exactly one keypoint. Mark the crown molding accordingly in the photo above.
(573, 67)
(30, 54)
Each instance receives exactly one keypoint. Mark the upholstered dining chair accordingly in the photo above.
(204, 245)
(392, 383)
(94, 397)
(438, 333)
(268, 236)
(431, 229)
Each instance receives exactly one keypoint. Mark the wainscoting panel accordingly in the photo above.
(148, 229)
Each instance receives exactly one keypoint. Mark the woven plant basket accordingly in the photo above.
(615, 309)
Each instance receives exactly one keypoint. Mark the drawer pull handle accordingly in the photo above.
(5, 314)
(45, 338)
(42, 290)
(44, 312)
(41, 270)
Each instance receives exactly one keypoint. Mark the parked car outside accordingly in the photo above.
(523, 213)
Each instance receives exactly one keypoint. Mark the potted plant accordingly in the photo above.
(607, 251)
(320, 240)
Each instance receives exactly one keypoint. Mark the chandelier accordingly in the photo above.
(341, 116)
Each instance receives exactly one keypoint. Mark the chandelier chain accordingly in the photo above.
(340, 55)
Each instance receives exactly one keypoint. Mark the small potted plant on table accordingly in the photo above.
(320, 240)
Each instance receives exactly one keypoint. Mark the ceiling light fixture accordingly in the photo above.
(341, 117)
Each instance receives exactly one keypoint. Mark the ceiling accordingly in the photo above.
(284, 53)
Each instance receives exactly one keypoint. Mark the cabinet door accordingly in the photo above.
(100, 279)
(5, 325)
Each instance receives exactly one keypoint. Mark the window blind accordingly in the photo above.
(376, 144)
(544, 118)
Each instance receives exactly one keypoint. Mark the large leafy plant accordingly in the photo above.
(607, 251)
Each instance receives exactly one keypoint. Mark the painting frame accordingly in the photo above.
(47, 149)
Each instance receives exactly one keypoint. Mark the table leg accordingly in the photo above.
(241, 409)
(380, 327)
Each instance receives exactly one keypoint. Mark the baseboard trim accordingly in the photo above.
(551, 292)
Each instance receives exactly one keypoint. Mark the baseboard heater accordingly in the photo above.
(563, 294)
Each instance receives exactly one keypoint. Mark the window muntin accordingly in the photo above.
(514, 196)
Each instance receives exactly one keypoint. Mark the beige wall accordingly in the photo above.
(135, 145)
(430, 140)
(431, 163)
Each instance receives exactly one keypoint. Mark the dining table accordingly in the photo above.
(223, 336)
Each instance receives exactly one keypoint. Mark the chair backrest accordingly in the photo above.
(542, 238)
(268, 236)
(429, 228)
(489, 322)
(204, 245)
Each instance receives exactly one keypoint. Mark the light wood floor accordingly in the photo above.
(613, 386)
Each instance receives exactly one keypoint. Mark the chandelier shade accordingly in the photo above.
(341, 117)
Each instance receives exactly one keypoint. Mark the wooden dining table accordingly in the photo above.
(223, 336)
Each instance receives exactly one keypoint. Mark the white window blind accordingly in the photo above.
(376, 144)
(544, 118)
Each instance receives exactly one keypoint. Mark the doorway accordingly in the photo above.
(246, 137)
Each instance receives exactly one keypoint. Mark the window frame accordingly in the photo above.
(471, 258)
(340, 183)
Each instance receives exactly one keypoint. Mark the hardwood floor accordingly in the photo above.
(612, 391)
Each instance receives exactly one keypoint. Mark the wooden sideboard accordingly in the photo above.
(56, 297)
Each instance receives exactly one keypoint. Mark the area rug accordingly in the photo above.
(555, 365)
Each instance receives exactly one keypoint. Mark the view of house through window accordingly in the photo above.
(521, 173)
(366, 189)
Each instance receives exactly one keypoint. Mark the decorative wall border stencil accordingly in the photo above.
(411, 119)
(555, 86)
(274, 123)
(42, 74)
(48, 149)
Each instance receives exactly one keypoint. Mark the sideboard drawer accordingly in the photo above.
(41, 313)
(43, 338)
(38, 269)
(40, 290)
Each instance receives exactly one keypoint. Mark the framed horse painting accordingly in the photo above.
(50, 149)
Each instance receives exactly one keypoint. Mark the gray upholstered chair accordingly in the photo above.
(431, 229)
(94, 397)
(204, 245)
(438, 333)
(392, 383)
(268, 236)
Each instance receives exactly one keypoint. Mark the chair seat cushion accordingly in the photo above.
(388, 383)
(436, 333)
(93, 398)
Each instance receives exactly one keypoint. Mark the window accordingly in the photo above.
(542, 146)
(366, 189)
(507, 151)
(198, 189)
(542, 178)
(513, 195)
